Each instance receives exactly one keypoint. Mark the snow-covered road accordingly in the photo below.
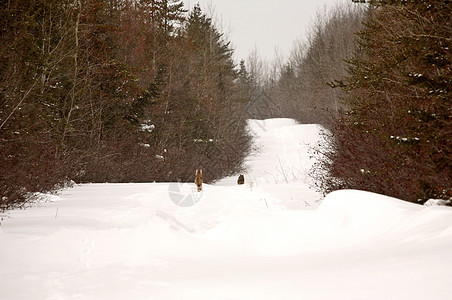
(271, 238)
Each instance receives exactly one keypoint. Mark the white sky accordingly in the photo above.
(265, 25)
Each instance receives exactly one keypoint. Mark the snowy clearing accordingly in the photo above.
(271, 238)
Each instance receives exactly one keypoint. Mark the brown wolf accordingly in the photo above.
(241, 179)
(198, 179)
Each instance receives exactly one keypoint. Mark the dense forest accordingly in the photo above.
(114, 91)
(394, 136)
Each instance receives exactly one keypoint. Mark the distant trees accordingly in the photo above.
(301, 87)
(395, 136)
(97, 90)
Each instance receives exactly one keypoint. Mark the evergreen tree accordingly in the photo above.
(396, 137)
(244, 84)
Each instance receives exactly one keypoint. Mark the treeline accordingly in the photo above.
(300, 87)
(114, 91)
(378, 75)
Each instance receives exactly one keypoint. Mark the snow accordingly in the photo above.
(147, 127)
(437, 202)
(271, 238)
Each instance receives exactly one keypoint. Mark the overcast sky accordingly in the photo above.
(263, 24)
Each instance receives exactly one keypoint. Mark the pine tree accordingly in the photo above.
(396, 137)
